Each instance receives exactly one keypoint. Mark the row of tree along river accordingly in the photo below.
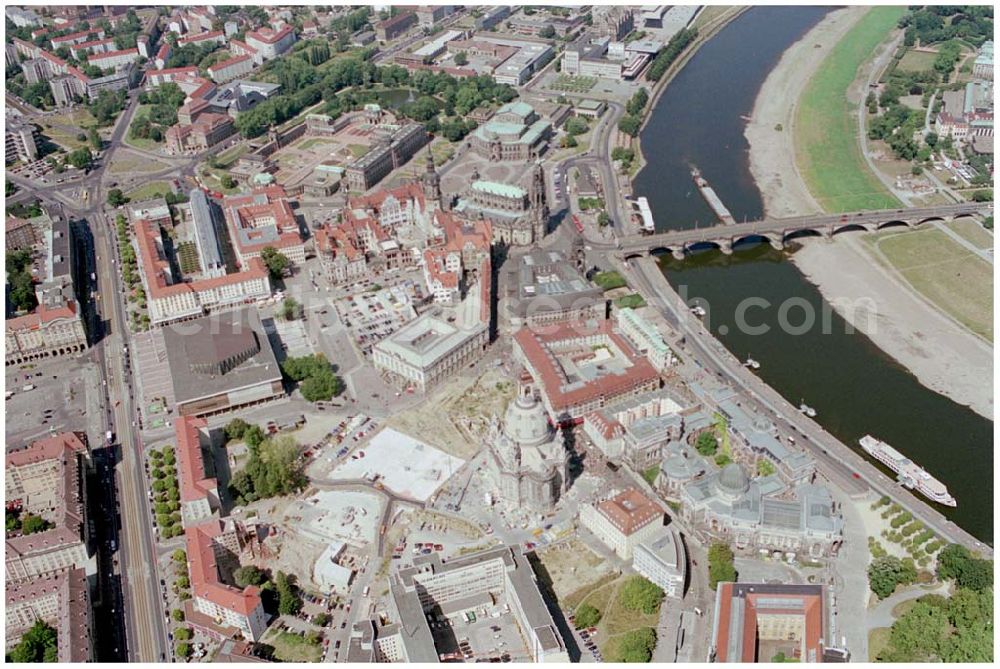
(855, 388)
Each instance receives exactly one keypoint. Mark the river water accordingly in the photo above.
(855, 388)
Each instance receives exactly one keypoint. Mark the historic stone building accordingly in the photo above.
(527, 462)
(519, 214)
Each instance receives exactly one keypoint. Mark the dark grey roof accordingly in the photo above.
(201, 354)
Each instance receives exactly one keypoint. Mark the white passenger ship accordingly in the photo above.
(909, 473)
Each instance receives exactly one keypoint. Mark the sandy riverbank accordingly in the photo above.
(943, 355)
(772, 151)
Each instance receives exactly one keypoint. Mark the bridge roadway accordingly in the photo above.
(834, 458)
(778, 230)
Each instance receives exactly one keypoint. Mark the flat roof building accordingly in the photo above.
(429, 349)
(550, 289)
(221, 362)
(495, 575)
(662, 559)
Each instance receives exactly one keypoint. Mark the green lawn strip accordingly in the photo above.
(972, 232)
(573, 601)
(957, 281)
(290, 647)
(827, 149)
(152, 189)
(917, 61)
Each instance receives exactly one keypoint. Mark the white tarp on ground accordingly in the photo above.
(405, 466)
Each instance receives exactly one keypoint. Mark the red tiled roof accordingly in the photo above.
(630, 511)
(154, 267)
(204, 572)
(216, 67)
(40, 316)
(191, 465)
(268, 35)
(808, 605)
(534, 346)
(199, 37)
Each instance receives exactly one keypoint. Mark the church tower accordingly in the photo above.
(432, 182)
(538, 203)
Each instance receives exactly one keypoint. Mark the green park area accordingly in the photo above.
(609, 280)
(289, 647)
(953, 278)
(150, 190)
(625, 612)
(917, 61)
(826, 124)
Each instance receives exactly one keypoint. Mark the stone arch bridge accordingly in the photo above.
(780, 231)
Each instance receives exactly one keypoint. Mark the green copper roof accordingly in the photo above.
(496, 188)
(520, 108)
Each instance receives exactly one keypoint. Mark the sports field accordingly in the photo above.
(826, 126)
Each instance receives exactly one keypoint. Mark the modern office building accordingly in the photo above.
(20, 141)
(494, 577)
(662, 559)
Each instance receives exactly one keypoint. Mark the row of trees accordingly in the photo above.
(721, 566)
(670, 52)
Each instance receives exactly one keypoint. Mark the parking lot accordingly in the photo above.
(493, 634)
(65, 394)
(371, 317)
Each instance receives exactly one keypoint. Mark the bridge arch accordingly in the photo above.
(796, 234)
(851, 227)
(662, 250)
(753, 238)
(702, 246)
(635, 255)
(929, 219)
(895, 223)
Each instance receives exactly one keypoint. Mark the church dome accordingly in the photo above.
(525, 422)
(733, 481)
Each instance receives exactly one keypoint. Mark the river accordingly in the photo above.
(855, 388)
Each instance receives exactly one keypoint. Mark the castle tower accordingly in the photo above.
(432, 182)
(538, 203)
